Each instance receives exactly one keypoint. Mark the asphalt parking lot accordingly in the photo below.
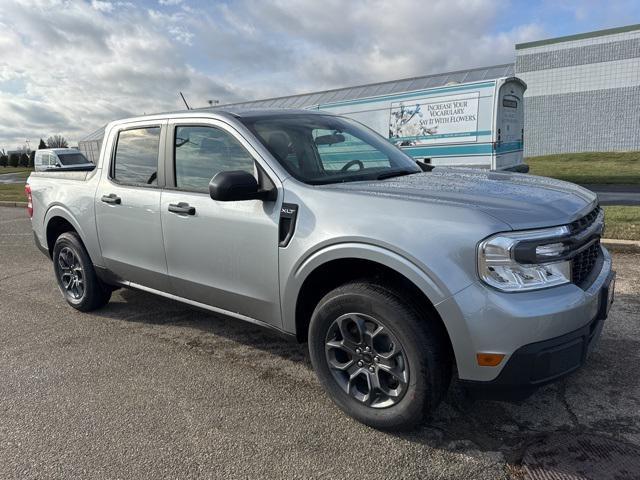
(149, 388)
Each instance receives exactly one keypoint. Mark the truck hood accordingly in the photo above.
(520, 200)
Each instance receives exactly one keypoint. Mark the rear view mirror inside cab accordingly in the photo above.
(329, 139)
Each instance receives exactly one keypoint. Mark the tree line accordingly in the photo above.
(24, 157)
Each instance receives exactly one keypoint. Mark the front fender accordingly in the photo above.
(425, 280)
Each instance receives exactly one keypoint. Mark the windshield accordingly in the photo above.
(319, 149)
(75, 158)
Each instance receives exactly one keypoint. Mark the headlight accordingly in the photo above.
(520, 261)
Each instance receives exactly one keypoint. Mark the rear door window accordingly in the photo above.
(136, 157)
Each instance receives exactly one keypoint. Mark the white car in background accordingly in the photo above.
(68, 158)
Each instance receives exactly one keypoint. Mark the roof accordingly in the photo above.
(579, 36)
(227, 111)
(303, 100)
(240, 111)
(57, 150)
(381, 88)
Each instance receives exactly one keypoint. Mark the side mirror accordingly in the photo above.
(424, 166)
(236, 185)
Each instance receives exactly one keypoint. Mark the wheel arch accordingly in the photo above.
(338, 264)
(59, 220)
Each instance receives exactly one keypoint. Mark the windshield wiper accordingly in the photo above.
(395, 173)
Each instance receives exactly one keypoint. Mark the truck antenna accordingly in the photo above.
(185, 102)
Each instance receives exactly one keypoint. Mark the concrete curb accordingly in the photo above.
(621, 246)
(13, 204)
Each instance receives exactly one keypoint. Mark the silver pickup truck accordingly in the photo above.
(311, 224)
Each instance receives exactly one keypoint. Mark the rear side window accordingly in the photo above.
(201, 152)
(136, 158)
(72, 158)
(45, 159)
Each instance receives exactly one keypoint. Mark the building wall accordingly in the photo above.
(583, 92)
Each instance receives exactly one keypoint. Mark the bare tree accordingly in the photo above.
(24, 149)
(57, 141)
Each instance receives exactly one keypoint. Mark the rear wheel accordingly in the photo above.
(380, 359)
(75, 274)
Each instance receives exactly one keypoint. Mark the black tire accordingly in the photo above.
(422, 343)
(72, 266)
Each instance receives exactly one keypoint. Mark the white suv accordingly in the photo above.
(58, 158)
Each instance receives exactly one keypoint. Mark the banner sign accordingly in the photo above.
(450, 119)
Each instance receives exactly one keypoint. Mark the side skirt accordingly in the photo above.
(109, 278)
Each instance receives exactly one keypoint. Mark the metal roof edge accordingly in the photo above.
(578, 36)
(387, 82)
(419, 91)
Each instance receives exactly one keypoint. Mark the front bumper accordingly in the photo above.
(539, 363)
(544, 334)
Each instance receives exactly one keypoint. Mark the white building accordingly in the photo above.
(583, 92)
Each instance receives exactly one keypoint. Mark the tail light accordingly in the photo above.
(27, 191)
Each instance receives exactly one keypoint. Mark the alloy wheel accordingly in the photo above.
(70, 273)
(367, 360)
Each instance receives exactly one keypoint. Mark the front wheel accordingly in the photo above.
(381, 359)
(77, 279)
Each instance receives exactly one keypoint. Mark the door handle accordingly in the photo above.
(112, 198)
(183, 208)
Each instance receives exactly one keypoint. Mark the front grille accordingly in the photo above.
(584, 222)
(583, 263)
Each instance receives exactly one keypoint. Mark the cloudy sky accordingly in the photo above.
(68, 67)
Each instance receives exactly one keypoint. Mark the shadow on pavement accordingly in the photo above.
(576, 428)
(207, 329)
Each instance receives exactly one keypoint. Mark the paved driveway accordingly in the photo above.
(149, 388)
